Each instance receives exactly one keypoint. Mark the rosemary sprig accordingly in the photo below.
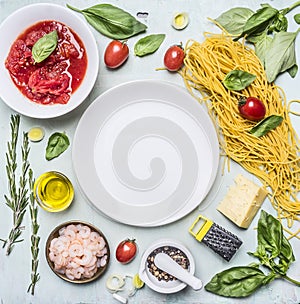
(17, 200)
(35, 239)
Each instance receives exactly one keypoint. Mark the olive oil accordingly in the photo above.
(53, 191)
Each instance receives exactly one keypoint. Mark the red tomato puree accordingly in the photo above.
(53, 80)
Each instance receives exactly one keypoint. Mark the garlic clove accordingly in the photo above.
(180, 21)
(36, 134)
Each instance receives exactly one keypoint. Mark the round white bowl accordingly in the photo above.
(19, 21)
(163, 286)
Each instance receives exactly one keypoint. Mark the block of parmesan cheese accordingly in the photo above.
(242, 201)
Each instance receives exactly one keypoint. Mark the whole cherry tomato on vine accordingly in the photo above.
(116, 53)
(252, 108)
(173, 59)
(126, 251)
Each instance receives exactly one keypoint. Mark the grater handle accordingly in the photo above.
(167, 264)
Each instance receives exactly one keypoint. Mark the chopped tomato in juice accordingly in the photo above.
(53, 80)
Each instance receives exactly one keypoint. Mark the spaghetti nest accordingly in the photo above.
(273, 158)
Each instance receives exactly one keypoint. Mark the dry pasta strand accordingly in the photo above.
(273, 158)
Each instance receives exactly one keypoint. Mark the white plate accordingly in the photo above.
(145, 153)
(19, 21)
(163, 286)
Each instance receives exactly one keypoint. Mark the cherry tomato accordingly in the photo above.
(115, 54)
(252, 108)
(126, 251)
(173, 59)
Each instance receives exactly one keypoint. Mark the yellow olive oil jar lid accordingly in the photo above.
(53, 191)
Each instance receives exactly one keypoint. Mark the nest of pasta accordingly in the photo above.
(273, 158)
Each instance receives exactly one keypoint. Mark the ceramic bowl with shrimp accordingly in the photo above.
(77, 252)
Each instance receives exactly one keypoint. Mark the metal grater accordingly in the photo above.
(215, 237)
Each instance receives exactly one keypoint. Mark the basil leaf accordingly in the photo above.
(281, 54)
(238, 80)
(44, 47)
(279, 24)
(237, 282)
(269, 234)
(265, 5)
(57, 144)
(286, 256)
(233, 20)
(274, 250)
(297, 18)
(267, 124)
(287, 250)
(262, 47)
(254, 38)
(259, 21)
(111, 21)
(148, 44)
(293, 70)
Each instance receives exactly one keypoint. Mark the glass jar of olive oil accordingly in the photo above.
(53, 191)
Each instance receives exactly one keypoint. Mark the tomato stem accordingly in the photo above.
(242, 101)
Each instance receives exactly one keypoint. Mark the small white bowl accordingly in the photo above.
(166, 287)
(18, 22)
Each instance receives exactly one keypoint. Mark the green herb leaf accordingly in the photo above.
(293, 70)
(286, 256)
(148, 44)
(267, 124)
(297, 18)
(281, 55)
(279, 24)
(237, 282)
(233, 20)
(262, 47)
(44, 47)
(274, 250)
(111, 21)
(238, 80)
(57, 144)
(269, 234)
(259, 21)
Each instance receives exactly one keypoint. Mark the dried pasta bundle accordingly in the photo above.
(274, 158)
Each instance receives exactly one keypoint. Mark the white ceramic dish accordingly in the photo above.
(19, 21)
(145, 153)
(163, 286)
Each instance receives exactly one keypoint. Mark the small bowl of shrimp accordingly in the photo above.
(77, 252)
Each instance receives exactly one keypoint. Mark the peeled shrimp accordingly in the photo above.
(84, 232)
(78, 252)
(75, 249)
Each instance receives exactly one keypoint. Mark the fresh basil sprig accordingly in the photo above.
(148, 45)
(266, 125)
(111, 21)
(280, 55)
(236, 282)
(44, 47)
(238, 80)
(57, 144)
(259, 21)
(273, 251)
(266, 28)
